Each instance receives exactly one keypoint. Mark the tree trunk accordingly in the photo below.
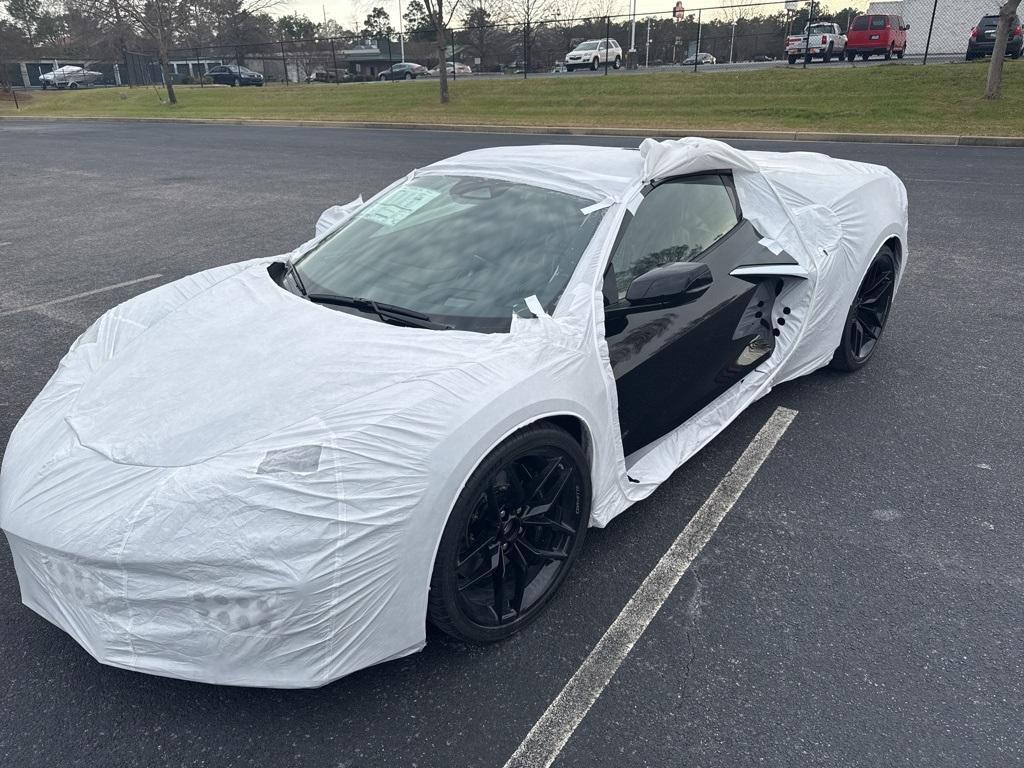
(442, 54)
(168, 81)
(994, 86)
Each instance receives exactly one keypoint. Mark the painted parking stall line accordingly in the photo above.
(64, 299)
(552, 731)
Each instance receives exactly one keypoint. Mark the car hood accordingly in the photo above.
(245, 359)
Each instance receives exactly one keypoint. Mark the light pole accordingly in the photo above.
(647, 58)
(732, 42)
(401, 31)
(632, 37)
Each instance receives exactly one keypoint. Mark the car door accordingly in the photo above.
(672, 358)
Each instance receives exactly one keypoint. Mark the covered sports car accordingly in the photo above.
(273, 473)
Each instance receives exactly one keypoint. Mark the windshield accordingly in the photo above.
(463, 251)
(821, 29)
(587, 46)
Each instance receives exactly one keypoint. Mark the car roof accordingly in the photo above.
(594, 172)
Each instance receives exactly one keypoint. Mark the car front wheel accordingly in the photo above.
(408, 75)
(516, 530)
(868, 314)
(594, 64)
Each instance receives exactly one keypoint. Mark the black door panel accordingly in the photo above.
(669, 362)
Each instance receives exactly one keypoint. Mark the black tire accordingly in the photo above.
(792, 59)
(43, 85)
(594, 64)
(408, 75)
(382, 78)
(73, 86)
(827, 56)
(851, 55)
(865, 56)
(807, 58)
(488, 529)
(900, 54)
(1016, 54)
(618, 62)
(865, 322)
(235, 82)
(888, 54)
(569, 67)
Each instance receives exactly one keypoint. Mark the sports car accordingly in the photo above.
(275, 472)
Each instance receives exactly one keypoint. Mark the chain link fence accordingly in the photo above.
(740, 34)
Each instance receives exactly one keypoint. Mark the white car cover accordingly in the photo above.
(227, 483)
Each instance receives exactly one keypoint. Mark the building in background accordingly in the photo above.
(953, 21)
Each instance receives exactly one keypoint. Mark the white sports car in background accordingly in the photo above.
(275, 472)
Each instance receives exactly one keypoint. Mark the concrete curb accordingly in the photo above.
(660, 132)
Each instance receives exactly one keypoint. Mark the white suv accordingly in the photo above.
(594, 53)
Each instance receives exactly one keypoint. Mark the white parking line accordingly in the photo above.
(40, 305)
(547, 738)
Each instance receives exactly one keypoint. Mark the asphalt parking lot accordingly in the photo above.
(859, 605)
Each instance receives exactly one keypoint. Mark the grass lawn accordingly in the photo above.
(940, 98)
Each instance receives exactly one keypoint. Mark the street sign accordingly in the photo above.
(678, 11)
(792, 5)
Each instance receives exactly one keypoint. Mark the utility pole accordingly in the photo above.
(732, 42)
(647, 59)
(632, 37)
(401, 30)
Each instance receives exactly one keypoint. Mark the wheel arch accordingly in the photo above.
(571, 421)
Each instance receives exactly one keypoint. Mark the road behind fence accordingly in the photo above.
(746, 32)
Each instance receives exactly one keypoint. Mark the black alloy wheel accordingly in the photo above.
(512, 537)
(868, 314)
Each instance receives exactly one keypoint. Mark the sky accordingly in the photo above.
(351, 13)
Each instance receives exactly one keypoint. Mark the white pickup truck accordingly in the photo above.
(820, 39)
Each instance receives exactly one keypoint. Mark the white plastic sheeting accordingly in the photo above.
(225, 482)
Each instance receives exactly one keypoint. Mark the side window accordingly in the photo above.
(677, 221)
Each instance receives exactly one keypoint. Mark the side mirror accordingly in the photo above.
(906, 27)
(676, 283)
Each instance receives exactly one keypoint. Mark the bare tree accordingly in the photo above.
(162, 21)
(525, 14)
(994, 86)
(439, 20)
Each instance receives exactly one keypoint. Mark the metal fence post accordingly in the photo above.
(928, 45)
(526, 49)
(807, 34)
(334, 58)
(696, 55)
(284, 62)
(607, 35)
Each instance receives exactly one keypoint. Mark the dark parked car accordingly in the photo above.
(233, 74)
(983, 38)
(404, 71)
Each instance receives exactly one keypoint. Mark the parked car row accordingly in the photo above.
(875, 34)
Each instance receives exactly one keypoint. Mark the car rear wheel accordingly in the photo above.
(618, 62)
(408, 75)
(851, 55)
(868, 314)
(865, 56)
(792, 59)
(888, 54)
(73, 86)
(827, 56)
(235, 82)
(515, 531)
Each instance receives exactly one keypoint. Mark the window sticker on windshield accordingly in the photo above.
(398, 205)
